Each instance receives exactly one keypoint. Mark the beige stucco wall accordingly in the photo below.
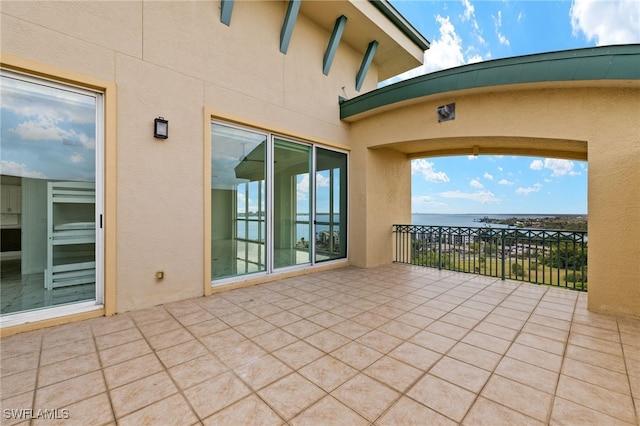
(598, 121)
(176, 59)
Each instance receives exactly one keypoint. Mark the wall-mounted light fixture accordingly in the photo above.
(446, 112)
(160, 128)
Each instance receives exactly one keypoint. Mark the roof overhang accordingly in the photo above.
(400, 46)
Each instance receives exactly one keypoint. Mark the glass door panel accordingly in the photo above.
(291, 204)
(238, 201)
(331, 203)
(50, 136)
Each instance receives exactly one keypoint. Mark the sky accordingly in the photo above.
(467, 31)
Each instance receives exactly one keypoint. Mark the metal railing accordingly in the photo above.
(540, 256)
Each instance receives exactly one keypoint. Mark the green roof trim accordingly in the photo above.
(334, 41)
(401, 22)
(621, 62)
(366, 63)
(289, 22)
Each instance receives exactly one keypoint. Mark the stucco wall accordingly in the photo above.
(597, 121)
(176, 59)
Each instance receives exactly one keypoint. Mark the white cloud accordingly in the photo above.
(472, 157)
(475, 183)
(321, 181)
(536, 165)
(488, 176)
(560, 167)
(606, 22)
(526, 191)
(480, 196)
(505, 182)
(46, 129)
(500, 168)
(469, 11)
(446, 51)
(422, 203)
(497, 23)
(77, 158)
(425, 168)
(19, 169)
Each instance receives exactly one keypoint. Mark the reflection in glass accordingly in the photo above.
(238, 201)
(331, 203)
(292, 204)
(48, 174)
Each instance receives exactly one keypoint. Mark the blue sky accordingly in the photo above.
(468, 31)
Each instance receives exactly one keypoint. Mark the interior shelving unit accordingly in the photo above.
(71, 232)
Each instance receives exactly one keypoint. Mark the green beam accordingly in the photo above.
(289, 22)
(225, 12)
(334, 41)
(366, 63)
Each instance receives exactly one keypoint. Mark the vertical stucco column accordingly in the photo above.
(614, 218)
(380, 188)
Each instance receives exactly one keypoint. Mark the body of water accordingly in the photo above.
(469, 220)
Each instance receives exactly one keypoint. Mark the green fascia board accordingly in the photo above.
(334, 41)
(225, 11)
(621, 62)
(289, 22)
(392, 14)
(366, 63)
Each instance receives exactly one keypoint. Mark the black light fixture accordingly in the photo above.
(161, 128)
(446, 112)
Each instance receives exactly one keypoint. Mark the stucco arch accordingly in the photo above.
(553, 113)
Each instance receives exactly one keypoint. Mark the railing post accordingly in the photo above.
(502, 240)
(440, 248)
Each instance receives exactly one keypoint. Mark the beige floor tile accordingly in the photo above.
(249, 411)
(381, 342)
(600, 359)
(542, 343)
(528, 374)
(240, 354)
(393, 373)
(282, 318)
(238, 318)
(519, 397)
(597, 332)
(205, 328)
(291, 395)
(18, 383)
(460, 320)
(107, 325)
(327, 340)
(569, 413)
(222, 339)
(511, 313)
(356, 355)
(118, 338)
(306, 310)
(91, 411)
(534, 356)
(254, 328)
(610, 403)
(485, 412)
(262, 371)
(599, 376)
(61, 353)
(370, 319)
(181, 353)
(351, 329)
(447, 330)
(432, 341)
(475, 356)
(22, 343)
(135, 395)
(149, 315)
(63, 370)
(274, 340)
(346, 311)
(365, 396)
(303, 328)
(124, 352)
(129, 371)
(18, 363)
(17, 406)
(515, 324)
(596, 344)
(328, 412)
(415, 355)
(545, 331)
(485, 341)
(631, 352)
(550, 322)
(408, 412)
(494, 330)
(171, 338)
(460, 373)
(298, 354)
(215, 394)
(63, 394)
(196, 371)
(66, 334)
(169, 411)
(445, 398)
(159, 327)
(195, 317)
(328, 372)
(415, 320)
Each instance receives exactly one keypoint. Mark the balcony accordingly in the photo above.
(396, 344)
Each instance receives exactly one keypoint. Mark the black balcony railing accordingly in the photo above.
(557, 258)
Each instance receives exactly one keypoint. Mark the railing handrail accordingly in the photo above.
(552, 256)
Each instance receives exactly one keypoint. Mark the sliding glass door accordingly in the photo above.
(275, 203)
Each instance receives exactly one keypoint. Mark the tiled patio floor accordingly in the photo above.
(393, 345)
